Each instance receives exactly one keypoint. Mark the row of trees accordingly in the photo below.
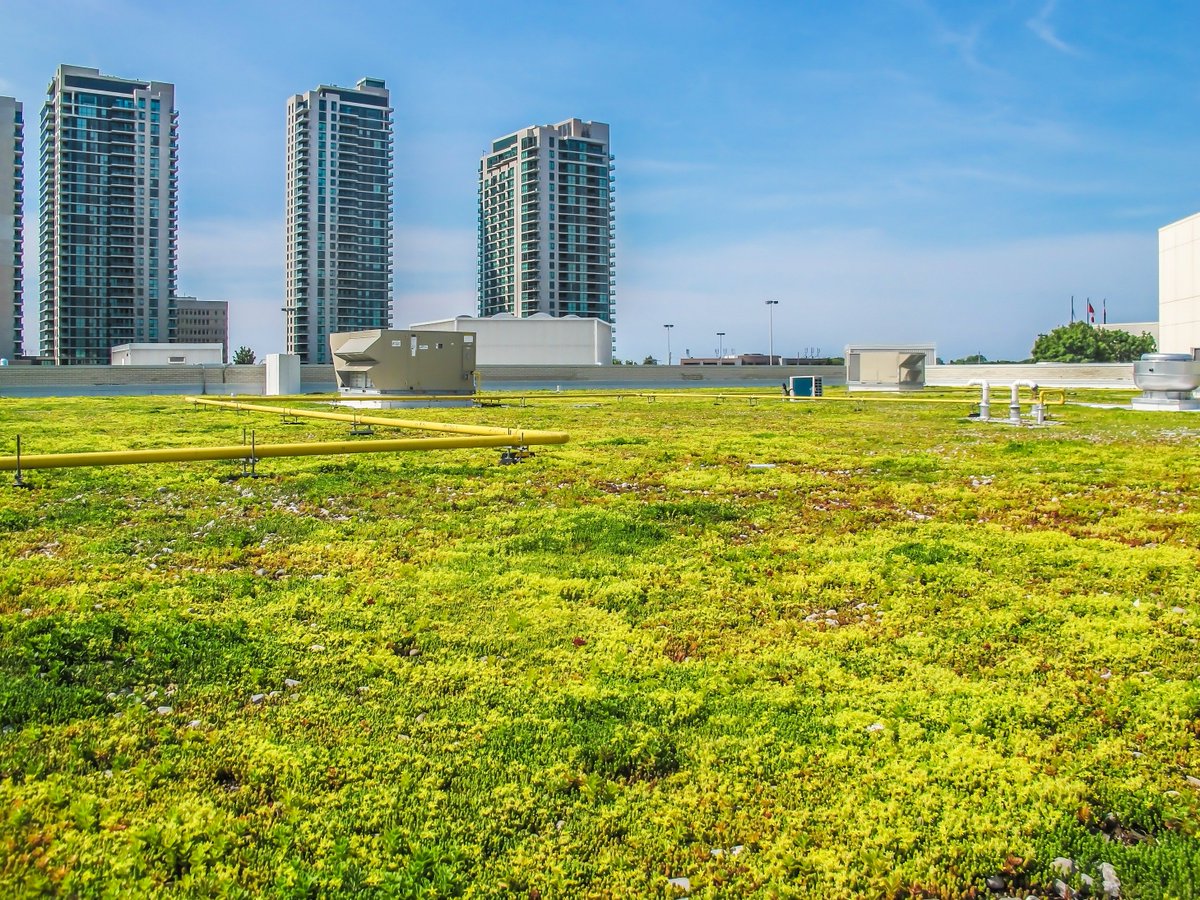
(1078, 342)
(1081, 342)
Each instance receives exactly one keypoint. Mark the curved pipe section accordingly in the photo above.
(985, 399)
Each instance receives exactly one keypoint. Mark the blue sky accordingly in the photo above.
(890, 170)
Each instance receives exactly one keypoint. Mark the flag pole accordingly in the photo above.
(1072, 309)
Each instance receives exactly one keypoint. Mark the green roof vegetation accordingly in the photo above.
(827, 649)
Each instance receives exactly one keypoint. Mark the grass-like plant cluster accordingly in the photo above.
(916, 653)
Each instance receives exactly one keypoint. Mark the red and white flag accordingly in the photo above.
(1091, 314)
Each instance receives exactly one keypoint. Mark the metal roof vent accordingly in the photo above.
(1167, 381)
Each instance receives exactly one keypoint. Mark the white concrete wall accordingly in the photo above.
(282, 374)
(63, 381)
(1064, 375)
(1179, 286)
(533, 341)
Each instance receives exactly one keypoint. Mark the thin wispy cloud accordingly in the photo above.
(963, 39)
(1040, 26)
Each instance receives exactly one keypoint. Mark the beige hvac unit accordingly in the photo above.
(880, 367)
(383, 362)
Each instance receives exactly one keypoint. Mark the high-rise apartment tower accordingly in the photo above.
(546, 225)
(109, 214)
(339, 215)
(12, 205)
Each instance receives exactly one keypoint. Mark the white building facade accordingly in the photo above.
(12, 225)
(546, 223)
(109, 186)
(166, 355)
(536, 340)
(338, 216)
(1179, 286)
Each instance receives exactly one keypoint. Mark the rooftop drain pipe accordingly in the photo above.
(1014, 404)
(985, 398)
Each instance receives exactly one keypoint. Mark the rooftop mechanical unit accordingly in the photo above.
(805, 386)
(389, 363)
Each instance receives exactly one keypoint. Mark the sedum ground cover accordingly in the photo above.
(917, 653)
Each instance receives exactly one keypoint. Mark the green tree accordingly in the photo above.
(1081, 342)
(1126, 347)
(649, 361)
(243, 356)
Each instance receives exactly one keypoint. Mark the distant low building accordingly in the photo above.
(750, 359)
(203, 322)
(167, 354)
(535, 340)
(1137, 329)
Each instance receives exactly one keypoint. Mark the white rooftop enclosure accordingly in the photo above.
(887, 367)
(537, 340)
(1179, 286)
(167, 354)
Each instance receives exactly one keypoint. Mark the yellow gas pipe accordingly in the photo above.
(244, 451)
(516, 436)
(472, 436)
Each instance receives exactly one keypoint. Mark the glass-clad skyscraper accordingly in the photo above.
(339, 215)
(109, 214)
(12, 225)
(546, 224)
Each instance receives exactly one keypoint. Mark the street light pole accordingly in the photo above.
(771, 304)
(668, 327)
(720, 346)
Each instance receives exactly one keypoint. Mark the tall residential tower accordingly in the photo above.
(339, 215)
(109, 214)
(546, 225)
(12, 204)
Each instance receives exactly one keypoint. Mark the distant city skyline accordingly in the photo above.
(902, 170)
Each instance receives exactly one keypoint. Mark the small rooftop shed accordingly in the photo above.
(887, 367)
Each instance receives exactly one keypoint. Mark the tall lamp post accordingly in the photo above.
(668, 327)
(771, 304)
(720, 346)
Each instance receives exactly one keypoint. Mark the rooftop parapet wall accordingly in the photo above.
(50, 381)
(1067, 375)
